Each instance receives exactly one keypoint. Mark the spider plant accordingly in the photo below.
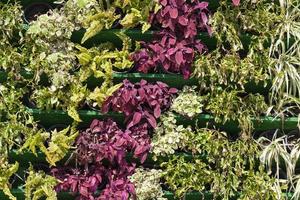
(285, 48)
(281, 151)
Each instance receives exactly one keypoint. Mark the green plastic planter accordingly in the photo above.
(173, 80)
(19, 193)
(49, 118)
(137, 35)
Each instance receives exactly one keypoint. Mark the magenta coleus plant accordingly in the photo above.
(175, 46)
(141, 102)
(101, 157)
(172, 54)
(84, 182)
(105, 141)
(183, 18)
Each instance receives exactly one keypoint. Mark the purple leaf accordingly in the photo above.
(152, 121)
(157, 111)
(173, 13)
(136, 118)
(236, 2)
(204, 17)
(183, 21)
(179, 57)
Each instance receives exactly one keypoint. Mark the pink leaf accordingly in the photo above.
(136, 118)
(139, 150)
(173, 13)
(204, 17)
(164, 2)
(179, 57)
(202, 5)
(173, 90)
(236, 2)
(157, 111)
(183, 21)
(151, 120)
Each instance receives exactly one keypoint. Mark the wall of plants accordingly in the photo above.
(149, 99)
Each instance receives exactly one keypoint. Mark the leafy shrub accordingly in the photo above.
(168, 137)
(175, 46)
(140, 102)
(147, 184)
(188, 103)
(229, 167)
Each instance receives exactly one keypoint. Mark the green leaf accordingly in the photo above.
(95, 28)
(6, 171)
(72, 112)
(60, 144)
(39, 185)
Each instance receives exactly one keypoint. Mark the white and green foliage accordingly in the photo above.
(188, 103)
(168, 137)
(285, 49)
(147, 184)
(10, 33)
(49, 49)
(228, 168)
(281, 155)
(10, 22)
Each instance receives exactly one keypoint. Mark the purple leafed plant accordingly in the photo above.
(101, 154)
(175, 46)
(236, 2)
(119, 186)
(85, 182)
(183, 18)
(105, 141)
(140, 102)
(172, 54)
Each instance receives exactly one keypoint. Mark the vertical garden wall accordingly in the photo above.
(149, 99)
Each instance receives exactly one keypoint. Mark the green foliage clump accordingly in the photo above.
(6, 171)
(39, 185)
(168, 137)
(229, 167)
(188, 103)
(137, 12)
(147, 184)
(11, 31)
(231, 105)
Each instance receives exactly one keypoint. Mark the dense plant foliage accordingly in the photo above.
(228, 167)
(176, 44)
(140, 102)
(104, 141)
(249, 71)
(147, 184)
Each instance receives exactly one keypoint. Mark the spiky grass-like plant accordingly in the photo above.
(285, 48)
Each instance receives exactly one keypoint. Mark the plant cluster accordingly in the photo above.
(229, 167)
(188, 103)
(176, 44)
(140, 102)
(11, 32)
(224, 104)
(280, 155)
(168, 137)
(105, 162)
(147, 184)
(137, 12)
(101, 143)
